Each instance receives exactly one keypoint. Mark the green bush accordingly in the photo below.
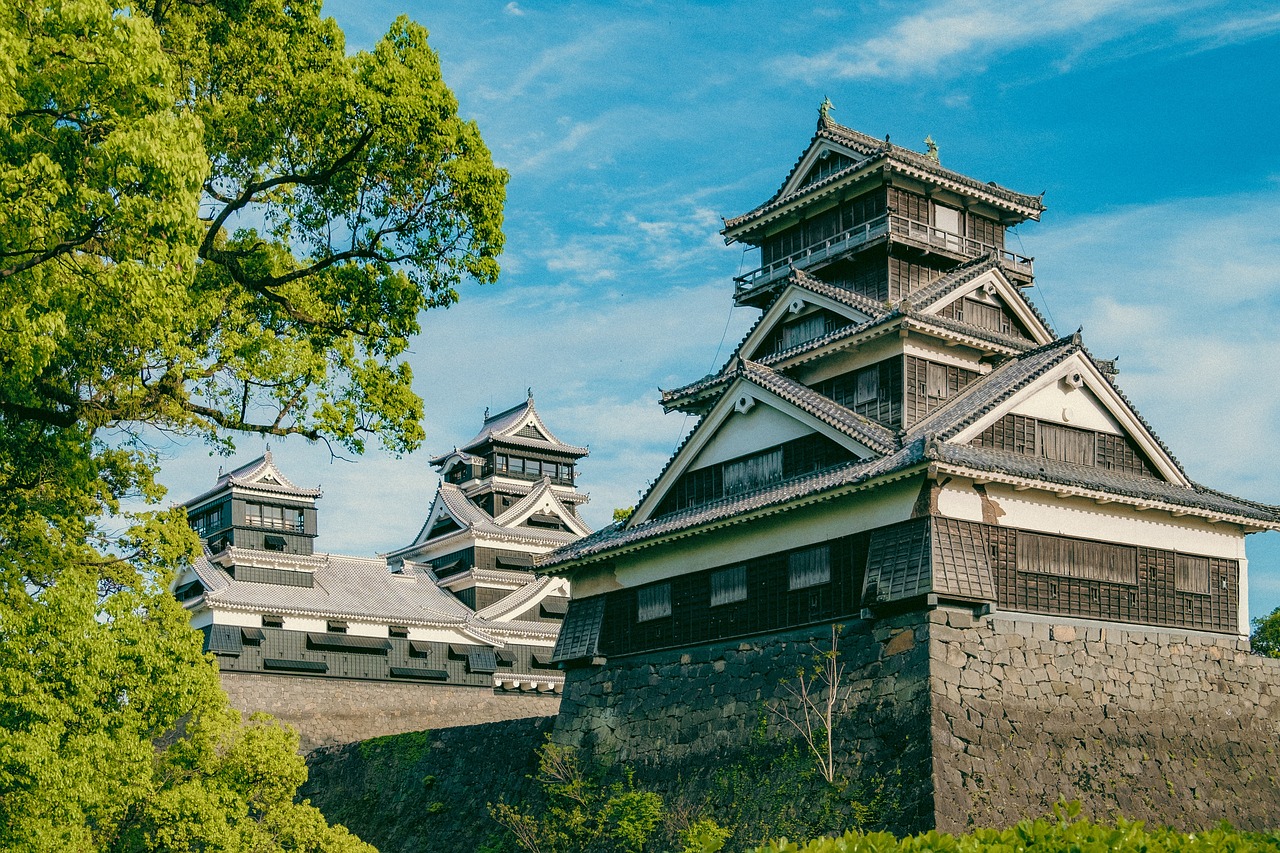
(1064, 831)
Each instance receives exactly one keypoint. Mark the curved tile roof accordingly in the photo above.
(876, 153)
(505, 426)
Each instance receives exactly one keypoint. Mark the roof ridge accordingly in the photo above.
(984, 384)
(953, 278)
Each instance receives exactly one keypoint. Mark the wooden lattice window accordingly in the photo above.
(986, 316)
(653, 602)
(803, 330)
(808, 567)
(1077, 558)
(752, 471)
(1191, 574)
(868, 385)
(1066, 444)
(728, 585)
(935, 381)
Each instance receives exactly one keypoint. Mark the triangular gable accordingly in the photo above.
(263, 472)
(798, 300)
(520, 425)
(1074, 393)
(990, 288)
(543, 500)
(822, 159)
(741, 399)
(463, 513)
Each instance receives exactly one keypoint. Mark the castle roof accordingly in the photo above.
(260, 475)
(938, 441)
(869, 155)
(365, 589)
(519, 426)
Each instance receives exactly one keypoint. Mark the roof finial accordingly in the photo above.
(486, 413)
(530, 392)
(1077, 338)
(824, 112)
(932, 148)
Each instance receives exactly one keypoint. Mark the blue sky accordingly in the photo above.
(629, 129)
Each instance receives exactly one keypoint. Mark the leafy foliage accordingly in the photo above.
(1266, 635)
(212, 219)
(1063, 831)
(582, 814)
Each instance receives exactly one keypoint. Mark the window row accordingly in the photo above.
(806, 568)
(274, 517)
(209, 520)
(520, 467)
(1034, 437)
(746, 473)
(1101, 561)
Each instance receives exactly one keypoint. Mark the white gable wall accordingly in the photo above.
(762, 426)
(1077, 407)
(836, 364)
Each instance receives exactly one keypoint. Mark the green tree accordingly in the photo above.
(1266, 635)
(212, 220)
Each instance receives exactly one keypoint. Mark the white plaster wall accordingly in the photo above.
(1077, 407)
(762, 426)
(844, 361)
(933, 350)
(242, 619)
(1045, 513)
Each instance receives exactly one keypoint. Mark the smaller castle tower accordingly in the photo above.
(505, 496)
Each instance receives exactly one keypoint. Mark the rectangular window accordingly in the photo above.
(1065, 444)
(729, 585)
(500, 462)
(935, 380)
(809, 567)
(1191, 574)
(653, 602)
(275, 517)
(398, 631)
(1077, 558)
(986, 316)
(533, 466)
(337, 627)
(946, 219)
(270, 621)
(515, 465)
(868, 385)
(752, 472)
(803, 330)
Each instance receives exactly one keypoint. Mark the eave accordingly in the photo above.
(1099, 496)
(570, 567)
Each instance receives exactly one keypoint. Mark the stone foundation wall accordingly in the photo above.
(1169, 727)
(332, 711)
(694, 725)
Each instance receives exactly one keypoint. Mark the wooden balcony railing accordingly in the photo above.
(905, 230)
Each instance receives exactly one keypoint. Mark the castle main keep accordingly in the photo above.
(1037, 600)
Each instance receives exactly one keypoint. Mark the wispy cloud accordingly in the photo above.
(1186, 292)
(955, 37)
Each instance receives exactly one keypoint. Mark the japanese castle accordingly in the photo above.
(902, 430)
(460, 605)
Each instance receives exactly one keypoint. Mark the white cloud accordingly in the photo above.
(1186, 293)
(514, 9)
(953, 37)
